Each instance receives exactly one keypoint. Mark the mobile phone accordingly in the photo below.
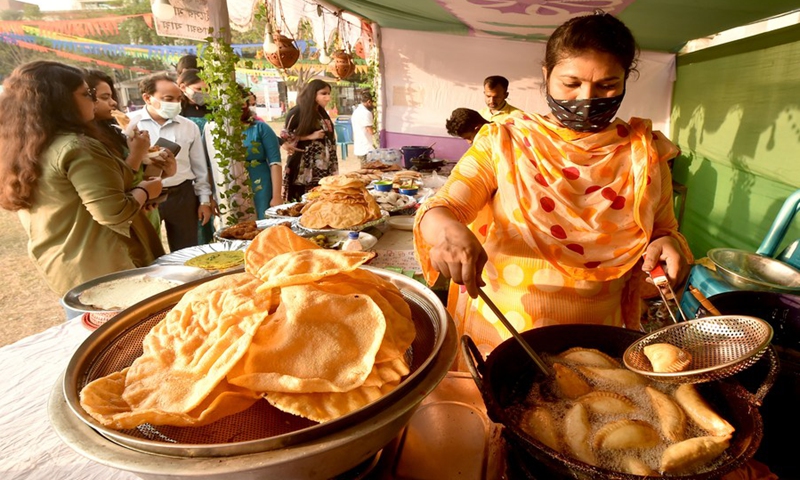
(169, 145)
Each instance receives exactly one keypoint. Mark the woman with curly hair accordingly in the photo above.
(314, 156)
(71, 193)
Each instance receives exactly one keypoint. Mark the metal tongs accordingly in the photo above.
(660, 280)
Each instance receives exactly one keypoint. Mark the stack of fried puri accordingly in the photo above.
(269, 332)
(339, 202)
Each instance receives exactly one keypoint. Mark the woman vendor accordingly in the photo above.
(577, 197)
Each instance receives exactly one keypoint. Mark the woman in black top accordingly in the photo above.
(309, 126)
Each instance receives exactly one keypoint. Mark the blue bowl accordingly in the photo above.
(383, 187)
(409, 191)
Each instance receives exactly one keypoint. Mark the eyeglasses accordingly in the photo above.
(90, 93)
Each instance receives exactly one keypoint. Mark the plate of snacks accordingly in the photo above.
(287, 210)
(393, 201)
(213, 257)
(340, 203)
(249, 229)
(334, 240)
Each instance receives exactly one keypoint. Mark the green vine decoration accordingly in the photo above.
(219, 62)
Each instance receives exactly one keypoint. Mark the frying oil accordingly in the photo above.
(546, 394)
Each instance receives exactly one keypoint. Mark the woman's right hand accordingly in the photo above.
(138, 144)
(318, 135)
(459, 255)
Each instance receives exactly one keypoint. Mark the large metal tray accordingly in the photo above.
(177, 273)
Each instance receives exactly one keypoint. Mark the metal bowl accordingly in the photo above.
(289, 447)
(751, 271)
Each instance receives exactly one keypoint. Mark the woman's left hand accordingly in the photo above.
(667, 250)
(166, 162)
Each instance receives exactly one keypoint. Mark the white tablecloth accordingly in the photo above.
(29, 447)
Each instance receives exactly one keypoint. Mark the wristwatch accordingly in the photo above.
(205, 204)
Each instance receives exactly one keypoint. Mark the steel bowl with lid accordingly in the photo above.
(261, 442)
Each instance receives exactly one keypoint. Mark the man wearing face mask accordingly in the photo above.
(190, 188)
(580, 201)
(363, 129)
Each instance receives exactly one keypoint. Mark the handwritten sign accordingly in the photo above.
(190, 21)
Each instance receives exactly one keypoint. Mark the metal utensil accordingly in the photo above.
(531, 353)
(661, 282)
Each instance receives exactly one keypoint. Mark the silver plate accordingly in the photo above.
(176, 273)
(408, 199)
(180, 257)
(272, 212)
(301, 229)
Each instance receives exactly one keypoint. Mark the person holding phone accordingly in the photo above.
(190, 188)
(73, 196)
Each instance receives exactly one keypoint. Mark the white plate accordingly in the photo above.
(179, 274)
(405, 201)
(338, 237)
(180, 257)
(273, 211)
(402, 222)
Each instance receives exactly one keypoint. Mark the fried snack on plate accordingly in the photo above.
(688, 455)
(665, 357)
(339, 202)
(257, 334)
(701, 412)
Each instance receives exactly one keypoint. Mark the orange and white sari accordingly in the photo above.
(571, 215)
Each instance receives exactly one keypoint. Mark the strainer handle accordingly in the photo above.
(774, 368)
(473, 359)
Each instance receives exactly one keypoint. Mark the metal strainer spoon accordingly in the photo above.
(525, 346)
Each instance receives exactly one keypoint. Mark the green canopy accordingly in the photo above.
(660, 25)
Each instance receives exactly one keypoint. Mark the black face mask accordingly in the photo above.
(590, 115)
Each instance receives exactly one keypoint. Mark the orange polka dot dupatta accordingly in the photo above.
(585, 203)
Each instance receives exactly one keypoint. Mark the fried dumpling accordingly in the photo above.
(540, 424)
(589, 356)
(570, 383)
(667, 358)
(690, 455)
(577, 433)
(607, 403)
(670, 415)
(626, 434)
(619, 376)
(636, 466)
(698, 410)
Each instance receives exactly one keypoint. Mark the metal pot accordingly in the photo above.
(506, 377)
(291, 448)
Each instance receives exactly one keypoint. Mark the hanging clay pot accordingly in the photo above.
(286, 55)
(342, 65)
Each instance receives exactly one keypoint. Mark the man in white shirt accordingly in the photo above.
(363, 131)
(189, 189)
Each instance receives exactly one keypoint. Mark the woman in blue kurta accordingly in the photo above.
(261, 173)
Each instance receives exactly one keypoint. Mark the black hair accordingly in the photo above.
(188, 61)
(308, 109)
(496, 81)
(148, 84)
(600, 32)
(366, 96)
(464, 121)
(189, 76)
